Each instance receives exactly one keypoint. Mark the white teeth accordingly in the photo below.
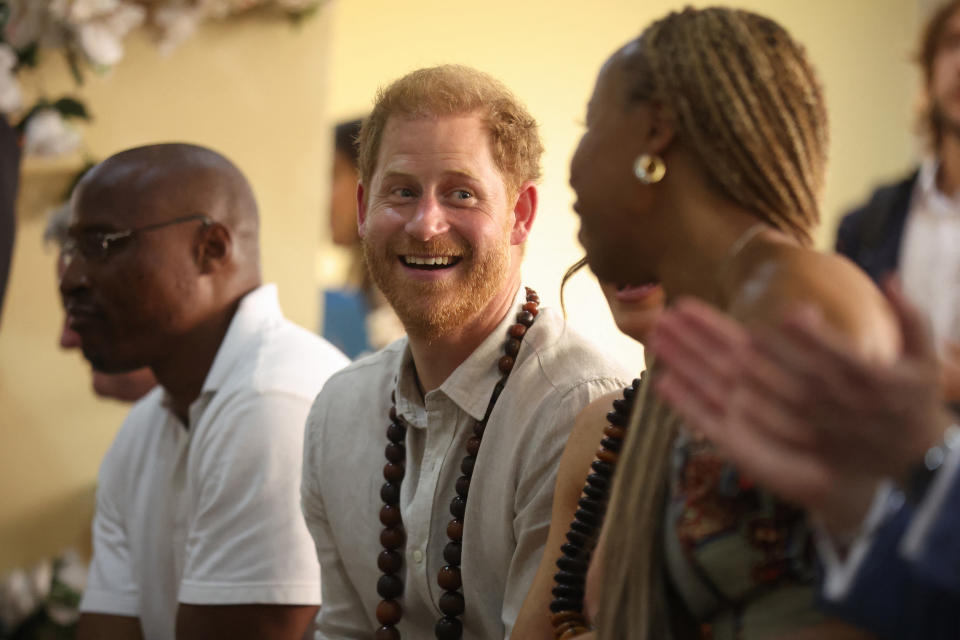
(428, 260)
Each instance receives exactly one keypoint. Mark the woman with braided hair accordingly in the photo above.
(701, 170)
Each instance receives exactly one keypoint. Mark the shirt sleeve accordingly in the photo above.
(247, 542)
(111, 584)
(342, 614)
(534, 502)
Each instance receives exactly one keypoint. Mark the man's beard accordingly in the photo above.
(433, 309)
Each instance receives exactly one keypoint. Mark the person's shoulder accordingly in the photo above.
(290, 359)
(881, 194)
(373, 371)
(567, 358)
(132, 443)
(793, 277)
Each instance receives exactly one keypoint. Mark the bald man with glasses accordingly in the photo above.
(197, 532)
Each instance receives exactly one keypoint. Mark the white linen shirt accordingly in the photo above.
(209, 514)
(930, 255)
(557, 373)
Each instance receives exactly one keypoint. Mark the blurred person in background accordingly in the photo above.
(356, 318)
(128, 386)
(912, 227)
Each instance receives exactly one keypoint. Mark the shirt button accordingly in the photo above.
(418, 556)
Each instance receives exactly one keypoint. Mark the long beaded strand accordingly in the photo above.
(393, 537)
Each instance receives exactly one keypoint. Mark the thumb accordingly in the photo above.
(914, 327)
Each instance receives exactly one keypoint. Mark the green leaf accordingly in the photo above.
(29, 56)
(22, 125)
(71, 108)
(74, 62)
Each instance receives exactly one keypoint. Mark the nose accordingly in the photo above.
(429, 220)
(73, 272)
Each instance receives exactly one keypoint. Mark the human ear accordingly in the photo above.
(214, 246)
(361, 211)
(524, 212)
(662, 128)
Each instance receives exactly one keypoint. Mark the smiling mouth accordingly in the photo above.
(430, 263)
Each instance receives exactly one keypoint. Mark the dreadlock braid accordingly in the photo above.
(749, 106)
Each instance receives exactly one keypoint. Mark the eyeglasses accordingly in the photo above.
(98, 245)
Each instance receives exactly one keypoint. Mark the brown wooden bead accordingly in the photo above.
(517, 331)
(451, 603)
(565, 616)
(389, 587)
(386, 632)
(505, 364)
(389, 561)
(467, 464)
(608, 456)
(612, 431)
(473, 446)
(455, 530)
(452, 552)
(390, 493)
(573, 632)
(449, 578)
(532, 307)
(393, 414)
(512, 348)
(395, 452)
(393, 538)
(463, 486)
(396, 432)
(448, 628)
(389, 515)
(389, 612)
(458, 506)
(560, 631)
(525, 318)
(393, 472)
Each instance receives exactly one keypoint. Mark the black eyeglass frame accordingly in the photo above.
(72, 245)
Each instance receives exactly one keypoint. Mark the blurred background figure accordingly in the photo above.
(356, 318)
(913, 226)
(126, 387)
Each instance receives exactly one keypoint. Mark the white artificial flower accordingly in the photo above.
(48, 134)
(73, 570)
(27, 22)
(11, 99)
(175, 24)
(17, 600)
(84, 10)
(101, 37)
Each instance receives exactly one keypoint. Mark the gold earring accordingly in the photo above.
(649, 168)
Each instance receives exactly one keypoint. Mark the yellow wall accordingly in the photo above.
(549, 52)
(253, 89)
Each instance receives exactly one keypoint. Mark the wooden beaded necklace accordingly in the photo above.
(567, 617)
(390, 561)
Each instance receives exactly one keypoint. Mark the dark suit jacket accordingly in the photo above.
(871, 235)
(901, 599)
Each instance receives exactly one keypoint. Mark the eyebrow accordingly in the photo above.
(459, 173)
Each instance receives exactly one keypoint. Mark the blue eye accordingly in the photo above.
(463, 195)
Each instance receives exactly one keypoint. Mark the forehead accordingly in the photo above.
(459, 143)
(114, 201)
(611, 82)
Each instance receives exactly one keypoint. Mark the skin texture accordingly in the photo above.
(798, 409)
(436, 191)
(683, 233)
(163, 299)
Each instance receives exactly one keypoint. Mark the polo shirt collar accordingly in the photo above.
(470, 384)
(934, 200)
(257, 308)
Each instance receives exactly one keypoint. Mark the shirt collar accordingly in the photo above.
(929, 193)
(256, 309)
(470, 384)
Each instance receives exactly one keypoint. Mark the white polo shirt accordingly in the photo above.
(210, 514)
